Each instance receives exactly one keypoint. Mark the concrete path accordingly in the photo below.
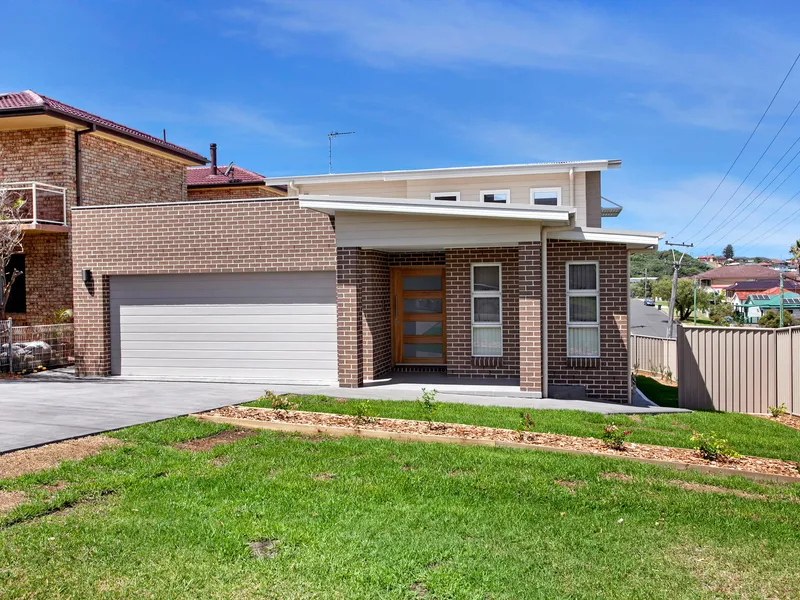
(51, 407)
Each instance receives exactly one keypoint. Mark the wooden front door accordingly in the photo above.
(419, 317)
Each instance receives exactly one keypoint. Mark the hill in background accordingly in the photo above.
(659, 264)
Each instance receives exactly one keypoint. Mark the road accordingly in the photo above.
(647, 320)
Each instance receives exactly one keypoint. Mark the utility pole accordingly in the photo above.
(332, 135)
(676, 265)
(781, 292)
(645, 282)
(694, 308)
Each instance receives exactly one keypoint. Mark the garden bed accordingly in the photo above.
(409, 430)
(792, 421)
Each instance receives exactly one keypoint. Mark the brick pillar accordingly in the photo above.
(348, 318)
(530, 316)
(92, 324)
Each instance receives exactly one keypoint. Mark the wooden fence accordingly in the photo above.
(744, 370)
(656, 355)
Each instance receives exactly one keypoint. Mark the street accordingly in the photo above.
(647, 320)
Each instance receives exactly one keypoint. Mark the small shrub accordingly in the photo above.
(711, 447)
(365, 413)
(778, 411)
(427, 405)
(614, 437)
(667, 373)
(525, 425)
(280, 403)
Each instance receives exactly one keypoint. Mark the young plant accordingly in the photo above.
(427, 405)
(711, 447)
(365, 413)
(614, 437)
(778, 411)
(668, 373)
(525, 425)
(280, 403)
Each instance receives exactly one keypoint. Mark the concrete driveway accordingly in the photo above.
(50, 407)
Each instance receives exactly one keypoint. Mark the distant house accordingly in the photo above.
(757, 305)
(214, 182)
(722, 277)
(739, 291)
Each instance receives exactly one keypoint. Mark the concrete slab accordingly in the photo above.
(47, 408)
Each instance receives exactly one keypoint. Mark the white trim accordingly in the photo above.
(611, 236)
(595, 293)
(545, 190)
(435, 194)
(331, 204)
(581, 166)
(485, 294)
(506, 192)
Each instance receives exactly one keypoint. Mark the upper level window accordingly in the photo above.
(496, 196)
(546, 196)
(447, 196)
(583, 310)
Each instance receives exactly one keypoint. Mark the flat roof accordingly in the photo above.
(452, 172)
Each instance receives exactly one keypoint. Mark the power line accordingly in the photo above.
(785, 223)
(767, 218)
(755, 208)
(735, 160)
(750, 172)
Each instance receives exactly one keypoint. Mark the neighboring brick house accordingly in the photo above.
(75, 158)
(231, 182)
(501, 272)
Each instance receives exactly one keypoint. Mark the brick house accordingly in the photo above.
(64, 157)
(231, 182)
(501, 271)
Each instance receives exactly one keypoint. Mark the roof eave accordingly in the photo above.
(189, 157)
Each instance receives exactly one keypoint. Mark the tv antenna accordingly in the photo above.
(228, 169)
(332, 135)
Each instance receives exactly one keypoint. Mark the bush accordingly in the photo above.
(526, 425)
(365, 413)
(614, 437)
(719, 312)
(711, 447)
(778, 411)
(427, 405)
(772, 319)
(280, 403)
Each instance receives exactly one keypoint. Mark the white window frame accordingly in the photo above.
(485, 294)
(506, 192)
(585, 293)
(456, 194)
(556, 190)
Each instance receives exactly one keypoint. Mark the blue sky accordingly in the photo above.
(673, 89)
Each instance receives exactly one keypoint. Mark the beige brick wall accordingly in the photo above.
(220, 237)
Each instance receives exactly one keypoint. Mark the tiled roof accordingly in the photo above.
(738, 272)
(762, 284)
(18, 102)
(201, 176)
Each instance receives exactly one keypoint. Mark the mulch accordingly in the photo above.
(792, 421)
(687, 456)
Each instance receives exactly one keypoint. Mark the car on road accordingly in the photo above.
(649, 302)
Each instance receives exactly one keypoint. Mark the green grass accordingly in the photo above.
(748, 435)
(391, 521)
(661, 394)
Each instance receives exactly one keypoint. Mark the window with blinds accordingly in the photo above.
(583, 310)
(487, 312)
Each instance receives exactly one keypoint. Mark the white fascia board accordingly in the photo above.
(612, 236)
(333, 204)
(451, 172)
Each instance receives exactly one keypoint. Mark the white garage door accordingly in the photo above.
(268, 326)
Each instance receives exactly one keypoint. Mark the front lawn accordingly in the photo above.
(358, 518)
(661, 394)
(748, 435)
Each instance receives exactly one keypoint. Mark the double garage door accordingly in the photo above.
(257, 326)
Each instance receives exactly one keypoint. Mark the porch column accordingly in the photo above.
(348, 318)
(530, 316)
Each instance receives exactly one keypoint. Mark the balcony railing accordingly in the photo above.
(45, 204)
